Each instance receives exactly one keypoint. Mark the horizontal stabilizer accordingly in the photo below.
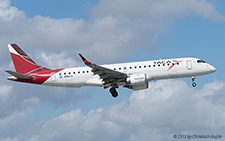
(19, 75)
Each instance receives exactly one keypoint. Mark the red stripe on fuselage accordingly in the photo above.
(39, 78)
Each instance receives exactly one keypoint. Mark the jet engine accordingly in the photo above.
(137, 82)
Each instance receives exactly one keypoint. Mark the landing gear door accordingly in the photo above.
(189, 64)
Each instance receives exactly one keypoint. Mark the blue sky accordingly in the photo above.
(53, 32)
(56, 9)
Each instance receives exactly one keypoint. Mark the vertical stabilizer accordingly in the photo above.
(22, 62)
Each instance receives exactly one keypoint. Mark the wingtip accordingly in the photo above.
(82, 57)
(84, 60)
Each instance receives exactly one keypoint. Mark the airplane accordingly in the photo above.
(135, 76)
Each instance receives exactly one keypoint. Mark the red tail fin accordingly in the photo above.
(22, 62)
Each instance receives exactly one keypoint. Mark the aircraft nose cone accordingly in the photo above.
(213, 69)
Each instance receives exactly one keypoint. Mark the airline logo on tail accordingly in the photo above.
(22, 62)
(26, 69)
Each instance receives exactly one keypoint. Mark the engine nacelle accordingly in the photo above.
(137, 81)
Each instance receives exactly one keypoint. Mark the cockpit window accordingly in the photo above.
(201, 61)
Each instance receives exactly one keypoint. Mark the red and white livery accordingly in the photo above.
(134, 75)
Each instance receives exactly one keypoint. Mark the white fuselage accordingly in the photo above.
(154, 70)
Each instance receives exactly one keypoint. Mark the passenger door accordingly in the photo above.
(189, 64)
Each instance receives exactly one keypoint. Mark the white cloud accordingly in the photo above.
(61, 60)
(11, 139)
(7, 12)
(114, 26)
(5, 3)
(155, 11)
(4, 93)
(15, 126)
(167, 108)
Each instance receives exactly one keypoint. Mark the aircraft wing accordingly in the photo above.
(109, 76)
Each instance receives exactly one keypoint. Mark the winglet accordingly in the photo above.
(86, 62)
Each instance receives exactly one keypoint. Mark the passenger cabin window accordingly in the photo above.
(200, 61)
